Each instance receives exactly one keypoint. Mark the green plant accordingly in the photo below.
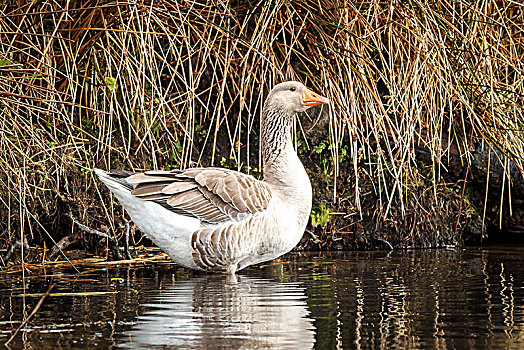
(320, 215)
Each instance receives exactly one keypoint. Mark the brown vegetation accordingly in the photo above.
(418, 91)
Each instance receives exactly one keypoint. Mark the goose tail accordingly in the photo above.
(115, 179)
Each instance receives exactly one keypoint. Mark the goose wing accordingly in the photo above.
(213, 195)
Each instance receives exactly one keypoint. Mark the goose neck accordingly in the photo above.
(276, 136)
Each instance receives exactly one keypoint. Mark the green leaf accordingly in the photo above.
(5, 62)
(111, 83)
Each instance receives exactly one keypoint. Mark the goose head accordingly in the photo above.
(292, 97)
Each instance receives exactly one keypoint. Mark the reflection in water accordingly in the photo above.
(411, 299)
(418, 299)
(215, 311)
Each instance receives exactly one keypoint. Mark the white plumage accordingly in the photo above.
(220, 219)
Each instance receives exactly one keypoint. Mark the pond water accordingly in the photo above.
(459, 299)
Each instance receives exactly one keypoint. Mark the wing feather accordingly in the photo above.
(178, 187)
(213, 195)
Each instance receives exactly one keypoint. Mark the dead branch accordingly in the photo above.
(35, 310)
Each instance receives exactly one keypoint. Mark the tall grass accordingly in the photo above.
(162, 84)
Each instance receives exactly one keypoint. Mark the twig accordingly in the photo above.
(113, 245)
(126, 244)
(62, 244)
(462, 201)
(85, 228)
(315, 239)
(35, 310)
(384, 241)
(11, 250)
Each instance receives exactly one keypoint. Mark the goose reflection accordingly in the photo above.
(218, 311)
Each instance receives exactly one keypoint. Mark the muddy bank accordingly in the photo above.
(451, 210)
(172, 85)
(351, 209)
(475, 198)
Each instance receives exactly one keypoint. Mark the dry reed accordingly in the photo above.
(169, 84)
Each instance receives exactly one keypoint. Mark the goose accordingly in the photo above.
(216, 219)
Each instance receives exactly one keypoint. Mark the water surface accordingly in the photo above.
(458, 299)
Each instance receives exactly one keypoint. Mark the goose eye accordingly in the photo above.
(293, 89)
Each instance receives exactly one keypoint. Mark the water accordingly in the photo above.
(458, 299)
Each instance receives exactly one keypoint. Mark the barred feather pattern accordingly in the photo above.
(276, 132)
(226, 246)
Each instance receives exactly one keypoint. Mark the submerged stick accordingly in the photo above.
(35, 310)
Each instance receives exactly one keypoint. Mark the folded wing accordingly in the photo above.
(212, 195)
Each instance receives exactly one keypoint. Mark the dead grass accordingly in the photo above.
(170, 84)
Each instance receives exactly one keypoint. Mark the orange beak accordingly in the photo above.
(312, 99)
